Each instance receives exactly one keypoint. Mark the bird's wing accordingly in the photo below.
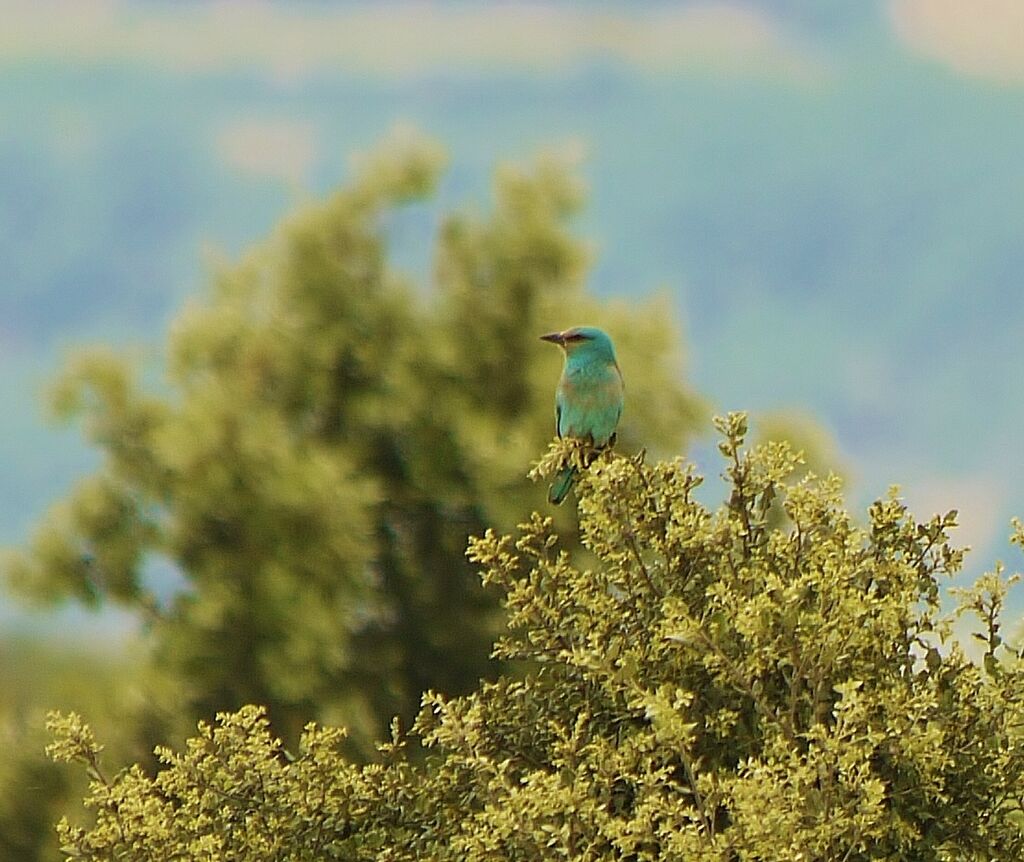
(558, 417)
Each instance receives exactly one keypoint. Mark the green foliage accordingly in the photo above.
(714, 686)
(326, 437)
(35, 676)
(805, 435)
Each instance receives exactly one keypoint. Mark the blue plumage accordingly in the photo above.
(589, 397)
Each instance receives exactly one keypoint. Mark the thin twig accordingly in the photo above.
(709, 827)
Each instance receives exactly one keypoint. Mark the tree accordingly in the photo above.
(713, 687)
(324, 440)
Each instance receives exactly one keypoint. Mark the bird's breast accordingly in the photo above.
(596, 393)
(590, 403)
(587, 382)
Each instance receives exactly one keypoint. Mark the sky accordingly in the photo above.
(832, 193)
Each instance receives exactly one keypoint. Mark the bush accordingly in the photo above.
(696, 684)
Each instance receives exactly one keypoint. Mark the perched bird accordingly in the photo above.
(588, 401)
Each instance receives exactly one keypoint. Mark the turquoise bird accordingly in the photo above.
(588, 401)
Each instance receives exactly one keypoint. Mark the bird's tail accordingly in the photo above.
(560, 487)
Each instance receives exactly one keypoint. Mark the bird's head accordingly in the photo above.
(588, 340)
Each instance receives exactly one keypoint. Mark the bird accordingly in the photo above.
(589, 397)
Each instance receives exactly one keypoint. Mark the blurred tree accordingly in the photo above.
(37, 675)
(712, 688)
(804, 435)
(325, 440)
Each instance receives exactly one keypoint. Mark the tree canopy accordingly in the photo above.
(710, 684)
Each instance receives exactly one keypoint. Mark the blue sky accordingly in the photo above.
(833, 193)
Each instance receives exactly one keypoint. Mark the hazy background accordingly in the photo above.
(834, 193)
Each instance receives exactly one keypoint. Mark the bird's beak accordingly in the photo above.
(554, 337)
